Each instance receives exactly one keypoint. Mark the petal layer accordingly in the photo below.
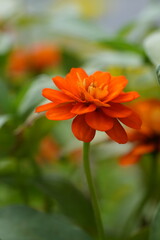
(102, 78)
(81, 108)
(117, 110)
(117, 133)
(56, 96)
(60, 112)
(81, 130)
(132, 121)
(45, 107)
(74, 79)
(126, 97)
(99, 121)
(60, 82)
(115, 87)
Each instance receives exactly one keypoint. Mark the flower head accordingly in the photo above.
(95, 102)
(18, 63)
(42, 56)
(35, 58)
(48, 151)
(147, 139)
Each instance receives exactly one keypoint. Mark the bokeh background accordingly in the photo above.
(40, 160)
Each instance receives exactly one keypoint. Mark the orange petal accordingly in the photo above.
(143, 149)
(126, 97)
(60, 82)
(132, 121)
(45, 107)
(74, 78)
(81, 108)
(129, 159)
(135, 135)
(134, 156)
(81, 130)
(117, 110)
(117, 133)
(102, 78)
(60, 112)
(56, 96)
(71, 95)
(99, 121)
(115, 87)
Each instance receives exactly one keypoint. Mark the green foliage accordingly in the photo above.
(155, 230)
(143, 234)
(21, 222)
(71, 201)
(40, 160)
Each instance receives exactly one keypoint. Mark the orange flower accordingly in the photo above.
(95, 103)
(43, 56)
(34, 58)
(18, 63)
(147, 139)
(48, 151)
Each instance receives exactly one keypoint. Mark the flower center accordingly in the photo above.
(93, 88)
(98, 92)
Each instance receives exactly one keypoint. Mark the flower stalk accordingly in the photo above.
(86, 147)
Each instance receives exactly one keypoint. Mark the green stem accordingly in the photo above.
(95, 205)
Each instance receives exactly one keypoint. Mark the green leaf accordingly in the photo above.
(5, 98)
(155, 227)
(71, 201)
(126, 29)
(5, 43)
(121, 44)
(3, 120)
(74, 27)
(112, 58)
(142, 235)
(70, 60)
(152, 47)
(33, 96)
(24, 223)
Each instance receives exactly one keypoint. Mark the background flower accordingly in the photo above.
(147, 139)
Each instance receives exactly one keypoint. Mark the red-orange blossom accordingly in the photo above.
(95, 102)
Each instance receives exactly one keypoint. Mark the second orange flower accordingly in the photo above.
(95, 102)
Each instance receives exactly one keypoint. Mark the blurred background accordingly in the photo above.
(40, 160)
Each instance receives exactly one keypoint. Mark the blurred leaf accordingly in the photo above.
(33, 96)
(152, 47)
(142, 235)
(125, 30)
(7, 165)
(3, 119)
(7, 140)
(70, 60)
(5, 97)
(122, 44)
(24, 223)
(8, 8)
(158, 73)
(72, 202)
(5, 43)
(74, 27)
(150, 14)
(112, 58)
(29, 20)
(155, 227)
(145, 22)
